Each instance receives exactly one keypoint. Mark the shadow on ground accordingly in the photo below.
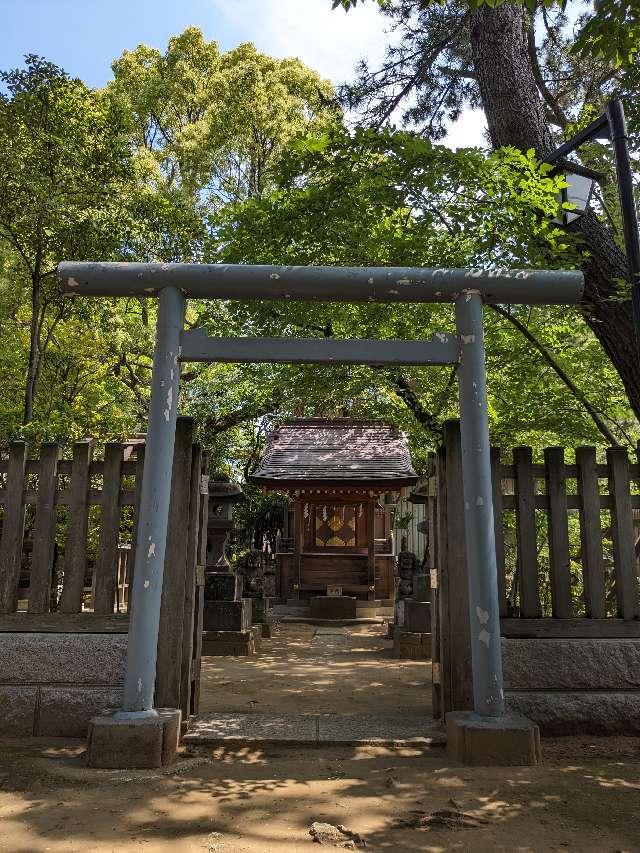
(263, 801)
(306, 670)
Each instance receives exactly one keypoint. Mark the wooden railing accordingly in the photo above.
(567, 552)
(50, 502)
(68, 541)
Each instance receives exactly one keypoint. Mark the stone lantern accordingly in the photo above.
(222, 496)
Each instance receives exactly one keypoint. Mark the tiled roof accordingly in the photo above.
(336, 451)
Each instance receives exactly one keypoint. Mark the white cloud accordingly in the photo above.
(468, 131)
(331, 42)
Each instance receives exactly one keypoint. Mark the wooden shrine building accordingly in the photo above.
(344, 476)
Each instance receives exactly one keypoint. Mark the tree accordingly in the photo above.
(392, 197)
(451, 53)
(210, 125)
(65, 163)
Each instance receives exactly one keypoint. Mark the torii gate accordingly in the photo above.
(467, 288)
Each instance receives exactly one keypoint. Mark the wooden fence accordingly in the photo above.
(567, 550)
(68, 540)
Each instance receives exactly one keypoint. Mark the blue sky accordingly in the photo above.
(85, 36)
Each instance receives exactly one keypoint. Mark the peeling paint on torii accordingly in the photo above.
(467, 288)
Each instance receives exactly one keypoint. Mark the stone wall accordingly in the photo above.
(574, 686)
(51, 684)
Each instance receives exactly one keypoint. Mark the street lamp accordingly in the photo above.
(612, 126)
(579, 189)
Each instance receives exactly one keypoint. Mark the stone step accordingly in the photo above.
(323, 729)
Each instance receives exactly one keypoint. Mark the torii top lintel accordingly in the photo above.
(322, 284)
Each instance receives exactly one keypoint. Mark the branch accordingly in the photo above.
(216, 425)
(409, 397)
(542, 86)
(553, 364)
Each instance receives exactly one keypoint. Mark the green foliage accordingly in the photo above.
(394, 198)
(613, 33)
(192, 154)
(209, 125)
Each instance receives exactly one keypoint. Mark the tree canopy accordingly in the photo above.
(194, 154)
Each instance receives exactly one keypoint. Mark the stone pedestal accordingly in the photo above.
(417, 616)
(411, 645)
(135, 743)
(237, 643)
(226, 612)
(333, 607)
(262, 615)
(227, 615)
(222, 586)
(510, 740)
(421, 586)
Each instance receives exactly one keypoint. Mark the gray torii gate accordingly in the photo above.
(173, 283)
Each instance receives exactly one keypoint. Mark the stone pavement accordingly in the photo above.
(320, 729)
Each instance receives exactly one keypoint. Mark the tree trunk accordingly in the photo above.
(32, 368)
(515, 116)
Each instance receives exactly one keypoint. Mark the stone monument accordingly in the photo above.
(251, 567)
(226, 622)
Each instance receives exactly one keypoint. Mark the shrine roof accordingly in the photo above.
(334, 452)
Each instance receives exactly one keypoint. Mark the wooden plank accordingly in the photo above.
(558, 532)
(441, 654)
(75, 548)
(626, 580)
(526, 532)
(107, 559)
(434, 552)
(591, 534)
(571, 471)
(62, 623)
(196, 662)
(170, 637)
(458, 666)
(498, 528)
(140, 451)
(573, 502)
(190, 581)
(12, 528)
(575, 628)
(44, 531)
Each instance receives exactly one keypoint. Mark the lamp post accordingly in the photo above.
(611, 126)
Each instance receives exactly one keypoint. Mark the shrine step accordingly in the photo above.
(322, 729)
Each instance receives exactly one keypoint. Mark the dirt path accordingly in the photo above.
(252, 799)
(584, 799)
(306, 670)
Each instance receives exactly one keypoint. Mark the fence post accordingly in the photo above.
(75, 547)
(203, 521)
(558, 532)
(106, 567)
(44, 531)
(622, 533)
(12, 528)
(169, 662)
(190, 581)
(526, 533)
(498, 526)
(591, 534)
(455, 644)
